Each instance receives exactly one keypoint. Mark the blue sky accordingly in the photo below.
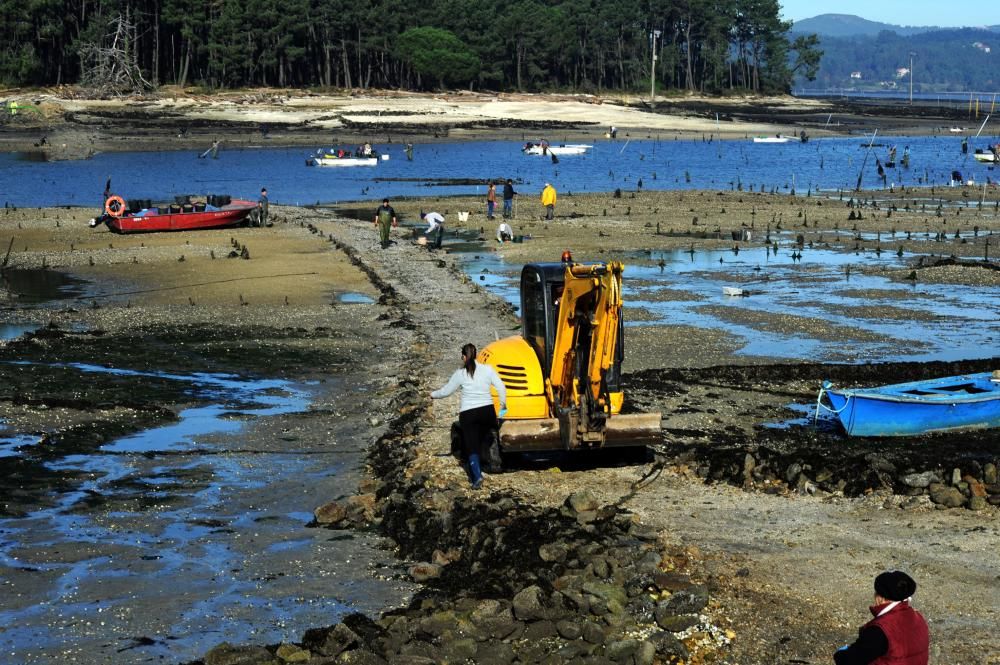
(900, 12)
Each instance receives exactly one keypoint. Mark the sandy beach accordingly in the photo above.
(74, 127)
(730, 543)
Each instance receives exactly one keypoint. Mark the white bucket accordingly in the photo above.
(463, 216)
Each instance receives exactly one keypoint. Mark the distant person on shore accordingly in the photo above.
(508, 199)
(385, 217)
(549, 201)
(263, 203)
(965, 146)
(409, 152)
(476, 415)
(504, 233)
(897, 634)
(491, 200)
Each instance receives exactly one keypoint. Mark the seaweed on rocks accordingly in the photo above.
(814, 458)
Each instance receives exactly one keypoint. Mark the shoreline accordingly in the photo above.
(75, 128)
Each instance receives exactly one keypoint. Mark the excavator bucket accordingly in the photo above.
(623, 431)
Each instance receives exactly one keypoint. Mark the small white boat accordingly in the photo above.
(733, 291)
(773, 139)
(330, 158)
(561, 149)
(984, 156)
(955, 130)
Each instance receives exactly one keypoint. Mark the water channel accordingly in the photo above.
(661, 163)
(162, 544)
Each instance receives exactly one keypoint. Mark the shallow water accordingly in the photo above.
(180, 537)
(38, 285)
(659, 162)
(945, 322)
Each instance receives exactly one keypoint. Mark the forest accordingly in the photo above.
(943, 61)
(128, 46)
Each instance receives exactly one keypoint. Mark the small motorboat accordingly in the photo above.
(773, 139)
(344, 158)
(561, 149)
(215, 211)
(970, 401)
(985, 156)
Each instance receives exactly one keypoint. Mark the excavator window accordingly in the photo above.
(533, 313)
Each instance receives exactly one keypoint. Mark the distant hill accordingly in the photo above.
(848, 25)
(949, 60)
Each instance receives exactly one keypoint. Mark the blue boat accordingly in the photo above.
(971, 401)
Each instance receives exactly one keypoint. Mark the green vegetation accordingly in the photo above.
(579, 45)
(943, 61)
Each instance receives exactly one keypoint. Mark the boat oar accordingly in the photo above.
(857, 188)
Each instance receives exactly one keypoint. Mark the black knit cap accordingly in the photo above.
(895, 585)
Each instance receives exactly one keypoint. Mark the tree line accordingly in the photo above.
(525, 45)
(943, 60)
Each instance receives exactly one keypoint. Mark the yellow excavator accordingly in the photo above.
(563, 373)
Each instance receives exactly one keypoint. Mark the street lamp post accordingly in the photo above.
(911, 78)
(652, 75)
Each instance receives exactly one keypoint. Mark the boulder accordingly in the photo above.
(949, 497)
(674, 623)
(990, 473)
(424, 571)
(977, 503)
(227, 654)
(668, 647)
(289, 653)
(582, 501)
(330, 514)
(528, 604)
(621, 651)
(920, 480)
(689, 601)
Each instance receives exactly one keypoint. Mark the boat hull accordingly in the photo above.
(343, 161)
(920, 407)
(771, 139)
(229, 215)
(571, 149)
(986, 157)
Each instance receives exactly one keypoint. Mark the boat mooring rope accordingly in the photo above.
(819, 402)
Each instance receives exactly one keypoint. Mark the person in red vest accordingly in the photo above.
(897, 635)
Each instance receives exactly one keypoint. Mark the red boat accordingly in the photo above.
(185, 214)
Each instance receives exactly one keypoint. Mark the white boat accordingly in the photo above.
(772, 139)
(984, 156)
(561, 149)
(955, 130)
(733, 291)
(329, 158)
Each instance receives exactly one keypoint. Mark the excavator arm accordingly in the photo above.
(586, 336)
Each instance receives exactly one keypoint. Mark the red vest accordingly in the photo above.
(907, 634)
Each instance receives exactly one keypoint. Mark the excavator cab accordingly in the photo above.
(542, 287)
(563, 373)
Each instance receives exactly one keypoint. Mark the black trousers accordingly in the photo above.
(476, 425)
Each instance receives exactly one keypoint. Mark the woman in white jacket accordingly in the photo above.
(476, 415)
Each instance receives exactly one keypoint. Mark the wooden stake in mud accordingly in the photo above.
(7, 257)
(857, 188)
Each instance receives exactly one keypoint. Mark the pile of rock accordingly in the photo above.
(582, 584)
(976, 489)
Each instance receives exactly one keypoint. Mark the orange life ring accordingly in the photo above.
(115, 206)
